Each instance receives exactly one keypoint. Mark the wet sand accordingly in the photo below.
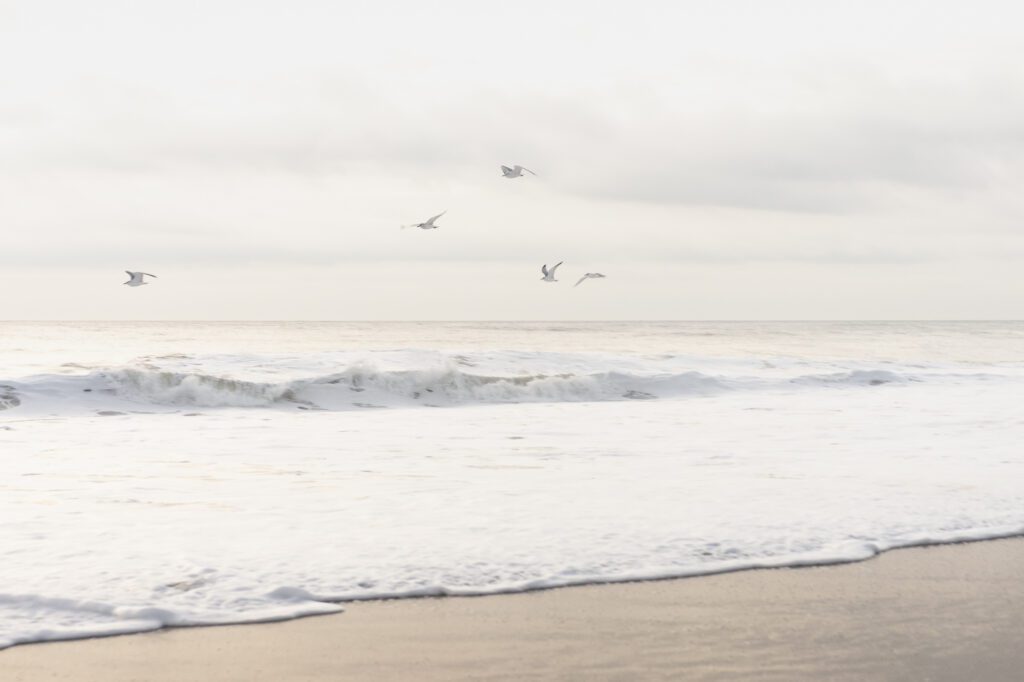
(953, 612)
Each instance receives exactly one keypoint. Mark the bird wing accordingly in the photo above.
(544, 269)
(527, 170)
(556, 266)
(130, 274)
(148, 275)
(506, 170)
(581, 280)
(431, 221)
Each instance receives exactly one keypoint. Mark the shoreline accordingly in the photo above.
(812, 560)
(930, 598)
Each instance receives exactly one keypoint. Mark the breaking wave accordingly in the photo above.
(363, 384)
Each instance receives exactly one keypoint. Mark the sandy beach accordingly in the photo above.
(950, 612)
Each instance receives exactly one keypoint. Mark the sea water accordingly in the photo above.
(161, 474)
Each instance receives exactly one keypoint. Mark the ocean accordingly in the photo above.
(157, 474)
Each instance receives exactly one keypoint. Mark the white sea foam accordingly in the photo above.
(442, 379)
(352, 386)
(189, 483)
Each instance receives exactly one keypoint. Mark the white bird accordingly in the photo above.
(549, 275)
(136, 278)
(515, 171)
(429, 224)
(589, 275)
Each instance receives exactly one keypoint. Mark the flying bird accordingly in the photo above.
(549, 275)
(589, 275)
(429, 224)
(136, 278)
(515, 171)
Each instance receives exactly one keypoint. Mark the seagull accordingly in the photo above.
(515, 171)
(429, 224)
(589, 275)
(549, 275)
(136, 278)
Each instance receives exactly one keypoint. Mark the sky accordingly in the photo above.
(718, 159)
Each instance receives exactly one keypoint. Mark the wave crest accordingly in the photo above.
(196, 389)
(362, 384)
(369, 383)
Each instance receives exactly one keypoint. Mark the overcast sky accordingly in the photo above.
(717, 160)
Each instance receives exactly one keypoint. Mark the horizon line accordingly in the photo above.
(492, 321)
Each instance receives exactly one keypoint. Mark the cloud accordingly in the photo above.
(861, 157)
(808, 154)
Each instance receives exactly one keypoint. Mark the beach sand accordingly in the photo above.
(953, 612)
